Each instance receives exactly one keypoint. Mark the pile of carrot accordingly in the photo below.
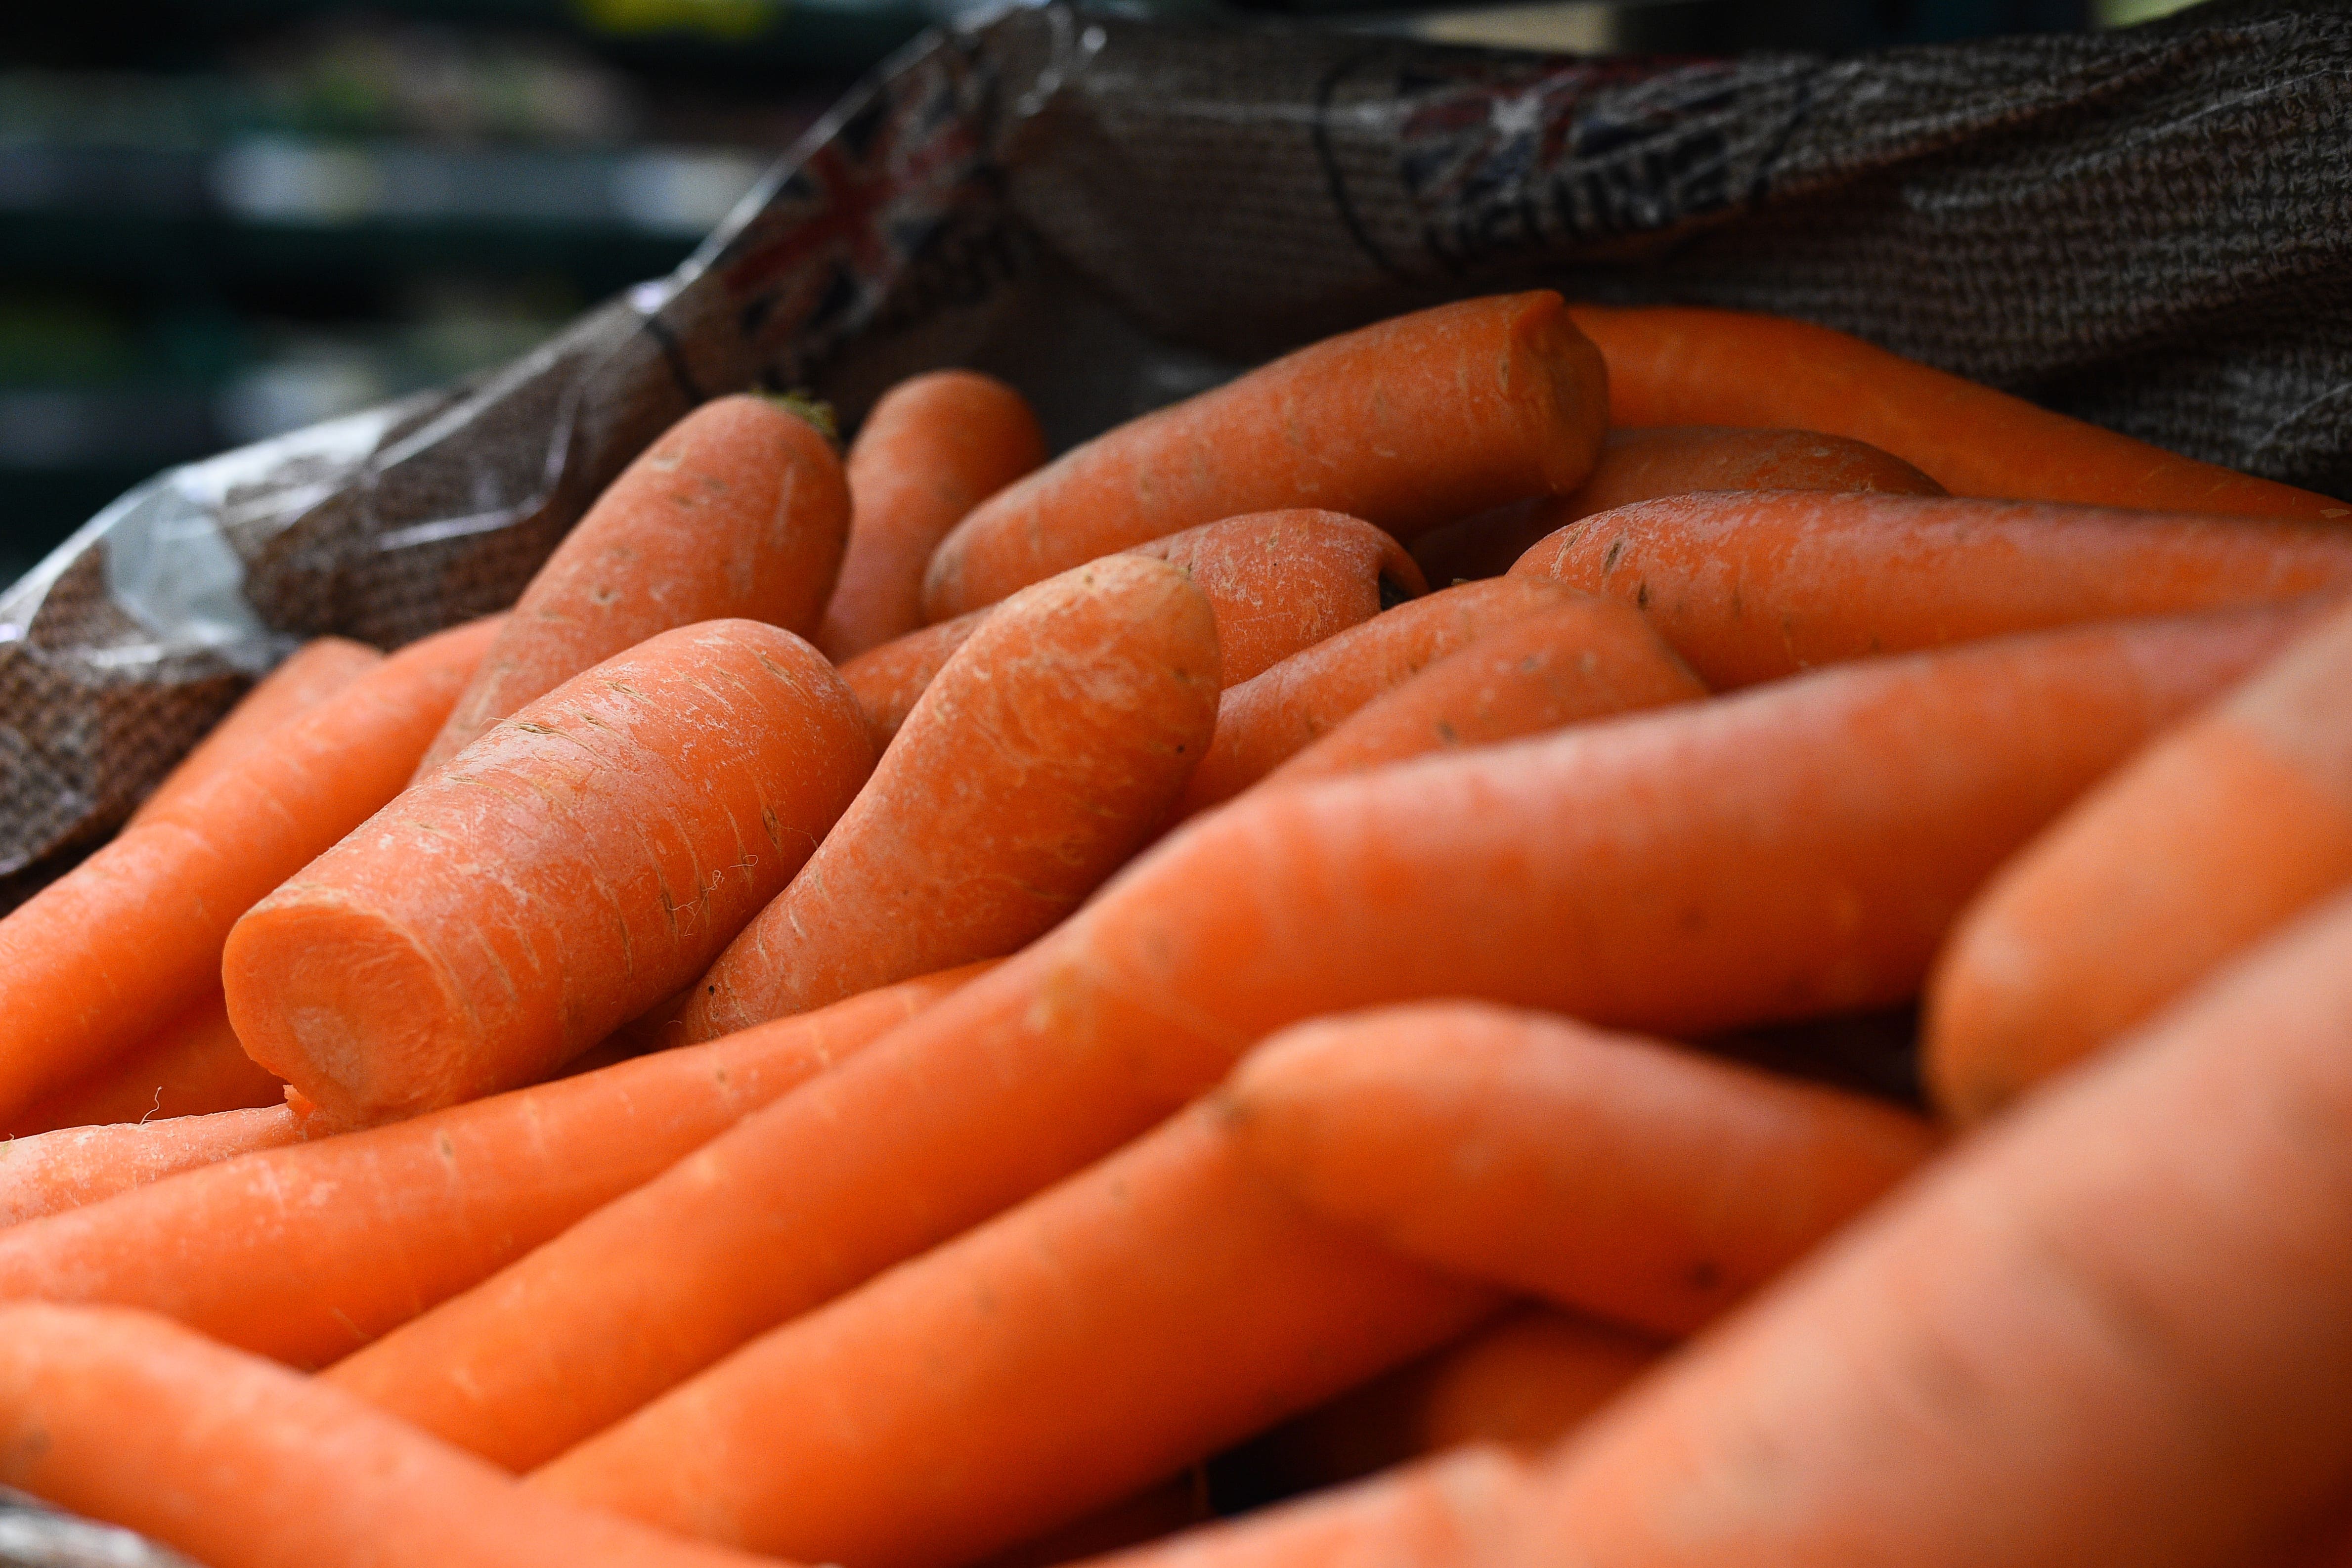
(1177, 1006)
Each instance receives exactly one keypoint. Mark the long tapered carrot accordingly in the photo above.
(1043, 755)
(1751, 587)
(130, 1418)
(577, 865)
(101, 959)
(2107, 1329)
(307, 1253)
(1640, 1182)
(2220, 832)
(193, 1067)
(1525, 1380)
(740, 510)
(1675, 459)
(1680, 365)
(52, 1172)
(1440, 1514)
(1563, 667)
(1136, 1318)
(1408, 424)
(1795, 852)
(1277, 581)
(935, 447)
(1264, 721)
(307, 677)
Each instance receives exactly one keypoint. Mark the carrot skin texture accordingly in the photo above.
(245, 1465)
(1034, 767)
(1066, 1316)
(1440, 1514)
(1700, 910)
(113, 951)
(935, 447)
(1264, 722)
(1564, 666)
(194, 1066)
(2218, 834)
(739, 511)
(2107, 1328)
(307, 677)
(1754, 587)
(52, 1172)
(284, 1252)
(582, 862)
(1408, 424)
(1645, 1184)
(1680, 365)
(1278, 581)
(1639, 465)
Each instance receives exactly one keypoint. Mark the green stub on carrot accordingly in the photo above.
(1408, 424)
(580, 863)
(1040, 759)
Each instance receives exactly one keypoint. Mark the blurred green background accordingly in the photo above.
(221, 221)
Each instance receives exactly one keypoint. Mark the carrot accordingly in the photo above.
(1524, 1380)
(1440, 1514)
(1408, 424)
(306, 1253)
(1753, 587)
(52, 1172)
(1174, 1504)
(1642, 1182)
(1139, 1316)
(1263, 722)
(115, 950)
(1678, 365)
(1672, 460)
(2107, 1329)
(1277, 581)
(1040, 760)
(739, 511)
(935, 447)
(2217, 834)
(127, 1417)
(1793, 851)
(1585, 660)
(587, 858)
(193, 1067)
(307, 677)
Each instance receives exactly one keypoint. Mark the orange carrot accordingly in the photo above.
(1277, 581)
(1139, 1316)
(194, 1066)
(306, 1253)
(1263, 722)
(1525, 1380)
(307, 677)
(1174, 1504)
(935, 447)
(586, 859)
(1408, 424)
(1675, 459)
(1582, 661)
(52, 1172)
(2107, 1329)
(2217, 834)
(111, 952)
(1678, 365)
(1793, 851)
(739, 511)
(126, 1418)
(1040, 760)
(1645, 1184)
(1754, 587)
(1440, 1514)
